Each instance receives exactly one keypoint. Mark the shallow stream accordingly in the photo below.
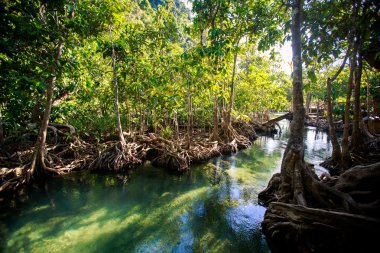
(212, 208)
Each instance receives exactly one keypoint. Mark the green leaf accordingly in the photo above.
(311, 75)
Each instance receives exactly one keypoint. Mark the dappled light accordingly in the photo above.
(189, 126)
(211, 208)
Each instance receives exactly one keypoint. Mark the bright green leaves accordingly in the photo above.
(259, 87)
(311, 75)
(163, 59)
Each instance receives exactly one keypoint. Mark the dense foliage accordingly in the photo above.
(165, 63)
(171, 62)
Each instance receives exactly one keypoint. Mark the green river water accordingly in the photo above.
(212, 208)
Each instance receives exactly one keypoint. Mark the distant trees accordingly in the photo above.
(332, 34)
(59, 64)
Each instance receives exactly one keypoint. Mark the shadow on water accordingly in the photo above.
(212, 208)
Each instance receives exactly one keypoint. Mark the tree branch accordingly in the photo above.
(341, 66)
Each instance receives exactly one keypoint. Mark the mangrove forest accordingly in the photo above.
(189, 126)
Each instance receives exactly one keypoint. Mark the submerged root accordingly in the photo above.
(116, 158)
(65, 152)
(203, 151)
(232, 140)
(12, 179)
(245, 129)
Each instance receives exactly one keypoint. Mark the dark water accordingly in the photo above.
(213, 208)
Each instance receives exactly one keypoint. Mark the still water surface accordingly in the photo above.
(212, 208)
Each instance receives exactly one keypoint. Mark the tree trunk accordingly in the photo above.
(116, 90)
(308, 101)
(1, 129)
(369, 113)
(141, 116)
(297, 124)
(176, 127)
(129, 121)
(346, 156)
(291, 187)
(318, 111)
(352, 40)
(336, 152)
(189, 116)
(38, 164)
(232, 94)
(357, 141)
(36, 112)
(215, 130)
(368, 97)
(343, 212)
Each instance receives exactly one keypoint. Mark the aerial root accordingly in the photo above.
(307, 209)
(116, 158)
(65, 153)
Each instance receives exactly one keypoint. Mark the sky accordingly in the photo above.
(286, 56)
(187, 3)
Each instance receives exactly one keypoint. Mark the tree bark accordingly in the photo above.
(291, 186)
(318, 111)
(356, 131)
(38, 163)
(295, 228)
(232, 93)
(176, 127)
(352, 40)
(336, 155)
(368, 97)
(1, 129)
(189, 116)
(116, 90)
(346, 156)
(297, 124)
(319, 215)
(308, 101)
(336, 152)
(215, 130)
(36, 112)
(141, 116)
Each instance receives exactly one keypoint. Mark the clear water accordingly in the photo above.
(212, 208)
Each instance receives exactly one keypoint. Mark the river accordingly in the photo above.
(211, 208)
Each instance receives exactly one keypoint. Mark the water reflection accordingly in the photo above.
(213, 208)
(318, 147)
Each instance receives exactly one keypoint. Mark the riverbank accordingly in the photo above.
(66, 152)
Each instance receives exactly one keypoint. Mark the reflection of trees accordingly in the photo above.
(213, 227)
